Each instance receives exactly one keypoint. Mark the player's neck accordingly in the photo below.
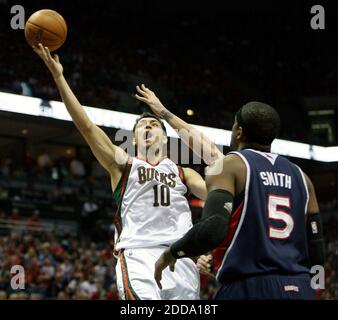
(254, 146)
(150, 157)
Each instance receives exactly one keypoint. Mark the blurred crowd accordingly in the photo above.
(57, 267)
(62, 266)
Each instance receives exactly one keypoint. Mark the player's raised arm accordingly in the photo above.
(192, 137)
(111, 157)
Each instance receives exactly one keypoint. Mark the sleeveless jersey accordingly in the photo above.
(152, 207)
(267, 229)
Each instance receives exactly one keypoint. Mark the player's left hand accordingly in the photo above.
(149, 97)
(166, 259)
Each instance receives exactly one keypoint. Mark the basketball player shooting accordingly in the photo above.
(261, 217)
(150, 190)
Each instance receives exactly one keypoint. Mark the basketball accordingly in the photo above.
(47, 27)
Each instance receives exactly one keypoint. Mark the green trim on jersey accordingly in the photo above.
(126, 282)
(119, 193)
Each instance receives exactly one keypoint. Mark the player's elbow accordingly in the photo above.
(86, 128)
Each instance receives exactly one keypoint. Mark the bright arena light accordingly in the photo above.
(121, 120)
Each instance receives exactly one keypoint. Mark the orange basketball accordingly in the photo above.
(47, 27)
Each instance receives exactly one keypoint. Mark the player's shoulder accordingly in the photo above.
(230, 162)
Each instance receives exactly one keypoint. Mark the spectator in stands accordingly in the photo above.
(88, 216)
(15, 215)
(34, 220)
(77, 168)
(44, 162)
(6, 167)
(112, 293)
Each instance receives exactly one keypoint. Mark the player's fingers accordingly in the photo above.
(140, 98)
(158, 277)
(36, 50)
(139, 90)
(172, 267)
(205, 264)
(144, 88)
(43, 54)
(56, 57)
(49, 56)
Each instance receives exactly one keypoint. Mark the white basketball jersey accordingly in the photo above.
(152, 207)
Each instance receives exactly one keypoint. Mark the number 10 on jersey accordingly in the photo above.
(161, 196)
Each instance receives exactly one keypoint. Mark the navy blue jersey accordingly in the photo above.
(267, 230)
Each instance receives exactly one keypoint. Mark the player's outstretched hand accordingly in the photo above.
(204, 265)
(149, 97)
(166, 259)
(52, 63)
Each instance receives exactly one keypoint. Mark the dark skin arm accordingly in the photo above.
(313, 203)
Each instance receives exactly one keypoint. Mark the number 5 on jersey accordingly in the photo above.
(275, 213)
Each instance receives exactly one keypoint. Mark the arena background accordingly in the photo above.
(56, 208)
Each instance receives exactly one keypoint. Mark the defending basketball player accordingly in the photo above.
(150, 190)
(261, 216)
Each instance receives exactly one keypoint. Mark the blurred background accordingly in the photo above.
(56, 206)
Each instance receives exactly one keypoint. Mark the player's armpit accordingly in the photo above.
(110, 156)
(195, 182)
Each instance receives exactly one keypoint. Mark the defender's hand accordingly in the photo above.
(150, 99)
(53, 64)
(165, 260)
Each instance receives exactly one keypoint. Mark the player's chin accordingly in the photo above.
(149, 143)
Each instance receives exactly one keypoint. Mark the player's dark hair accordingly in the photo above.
(150, 115)
(260, 122)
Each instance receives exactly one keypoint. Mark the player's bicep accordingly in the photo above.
(313, 206)
(221, 175)
(108, 154)
(195, 183)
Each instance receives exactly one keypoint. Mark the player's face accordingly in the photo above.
(149, 132)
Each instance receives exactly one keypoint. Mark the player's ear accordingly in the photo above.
(134, 141)
(165, 139)
(240, 134)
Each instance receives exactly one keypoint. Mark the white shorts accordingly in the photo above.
(135, 277)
